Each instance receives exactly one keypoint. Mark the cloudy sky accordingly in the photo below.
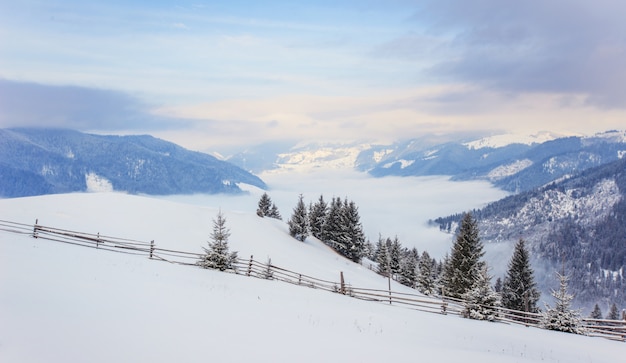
(211, 74)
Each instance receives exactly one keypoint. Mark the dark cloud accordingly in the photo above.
(566, 46)
(81, 108)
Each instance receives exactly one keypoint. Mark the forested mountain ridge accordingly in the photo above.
(46, 161)
(513, 166)
(514, 163)
(577, 224)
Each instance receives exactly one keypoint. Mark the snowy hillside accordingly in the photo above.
(72, 304)
(576, 223)
(45, 161)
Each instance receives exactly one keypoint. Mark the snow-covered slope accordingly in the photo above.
(65, 303)
(502, 140)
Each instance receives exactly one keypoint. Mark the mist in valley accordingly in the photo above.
(389, 206)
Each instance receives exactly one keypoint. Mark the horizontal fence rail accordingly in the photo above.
(610, 329)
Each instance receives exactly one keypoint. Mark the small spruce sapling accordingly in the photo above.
(481, 302)
(596, 313)
(217, 256)
(613, 314)
(299, 221)
(561, 317)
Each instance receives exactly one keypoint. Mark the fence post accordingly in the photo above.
(97, 239)
(250, 266)
(444, 304)
(342, 289)
(151, 248)
(299, 279)
(36, 228)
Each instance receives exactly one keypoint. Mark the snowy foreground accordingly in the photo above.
(61, 303)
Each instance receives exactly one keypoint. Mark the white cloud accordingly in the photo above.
(393, 114)
(180, 26)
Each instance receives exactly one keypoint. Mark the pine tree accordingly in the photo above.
(445, 277)
(354, 230)
(561, 317)
(613, 314)
(299, 222)
(481, 302)
(395, 255)
(265, 204)
(519, 290)
(334, 230)
(426, 276)
(464, 267)
(268, 273)
(596, 313)
(498, 286)
(369, 250)
(408, 268)
(274, 213)
(317, 217)
(217, 256)
(382, 257)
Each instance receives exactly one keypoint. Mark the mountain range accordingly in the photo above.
(567, 196)
(47, 161)
(575, 225)
(513, 163)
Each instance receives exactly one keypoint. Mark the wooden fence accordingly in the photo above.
(610, 329)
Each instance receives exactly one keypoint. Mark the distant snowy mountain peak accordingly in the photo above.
(497, 141)
(381, 154)
(314, 156)
(513, 162)
(610, 136)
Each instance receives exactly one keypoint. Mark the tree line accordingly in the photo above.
(463, 274)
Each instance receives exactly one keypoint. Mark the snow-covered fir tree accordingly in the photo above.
(369, 250)
(395, 255)
(334, 231)
(497, 287)
(481, 302)
(355, 247)
(299, 222)
(426, 281)
(444, 277)
(408, 267)
(218, 256)
(317, 217)
(274, 213)
(265, 205)
(519, 290)
(561, 317)
(382, 257)
(613, 313)
(465, 264)
(268, 273)
(596, 313)
(267, 208)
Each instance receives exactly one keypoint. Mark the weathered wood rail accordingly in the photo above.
(610, 329)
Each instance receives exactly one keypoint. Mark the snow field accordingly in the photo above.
(61, 303)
